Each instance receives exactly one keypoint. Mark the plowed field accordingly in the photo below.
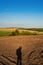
(32, 49)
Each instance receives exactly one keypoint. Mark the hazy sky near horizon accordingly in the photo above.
(21, 13)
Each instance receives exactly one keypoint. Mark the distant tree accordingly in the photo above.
(17, 32)
(13, 33)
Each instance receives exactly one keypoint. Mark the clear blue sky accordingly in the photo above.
(21, 13)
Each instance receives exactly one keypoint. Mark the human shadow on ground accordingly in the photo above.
(19, 56)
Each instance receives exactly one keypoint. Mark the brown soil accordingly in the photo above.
(32, 49)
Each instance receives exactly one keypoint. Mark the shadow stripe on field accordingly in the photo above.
(9, 59)
(3, 61)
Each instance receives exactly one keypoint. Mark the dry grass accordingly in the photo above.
(7, 29)
(12, 31)
(31, 49)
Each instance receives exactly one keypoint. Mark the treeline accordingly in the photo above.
(35, 29)
(16, 32)
(22, 33)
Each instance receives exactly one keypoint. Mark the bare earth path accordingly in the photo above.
(32, 50)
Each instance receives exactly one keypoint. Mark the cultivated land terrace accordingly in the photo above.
(32, 49)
